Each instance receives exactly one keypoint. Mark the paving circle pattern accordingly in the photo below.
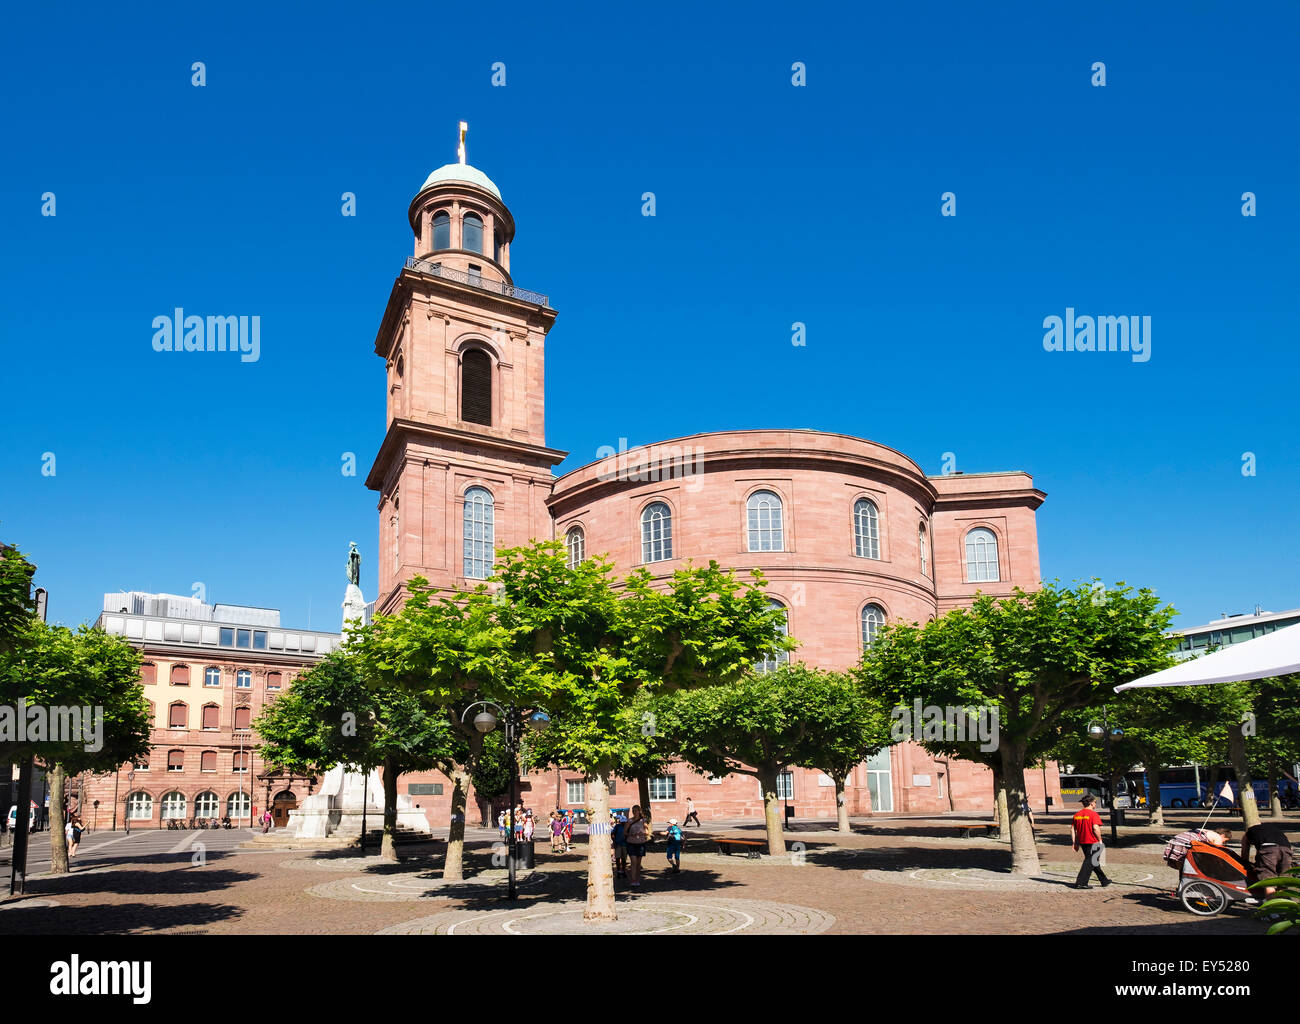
(409, 887)
(353, 864)
(29, 904)
(982, 878)
(653, 915)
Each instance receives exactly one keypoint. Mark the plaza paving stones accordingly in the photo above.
(644, 915)
(406, 886)
(982, 878)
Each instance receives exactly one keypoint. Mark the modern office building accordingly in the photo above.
(1232, 629)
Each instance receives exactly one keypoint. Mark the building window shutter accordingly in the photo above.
(476, 388)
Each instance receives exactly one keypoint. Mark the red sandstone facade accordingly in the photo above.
(465, 463)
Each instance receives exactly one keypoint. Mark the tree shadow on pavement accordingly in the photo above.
(184, 879)
(117, 919)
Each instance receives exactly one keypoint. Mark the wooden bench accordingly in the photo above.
(750, 847)
(979, 831)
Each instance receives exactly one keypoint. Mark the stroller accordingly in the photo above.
(1209, 877)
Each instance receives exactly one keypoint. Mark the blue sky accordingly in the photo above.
(775, 204)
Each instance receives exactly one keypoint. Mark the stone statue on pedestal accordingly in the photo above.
(354, 604)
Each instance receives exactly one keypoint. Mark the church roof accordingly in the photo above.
(461, 172)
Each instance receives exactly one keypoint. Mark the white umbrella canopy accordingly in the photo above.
(1274, 654)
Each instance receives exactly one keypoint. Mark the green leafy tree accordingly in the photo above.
(490, 773)
(1030, 659)
(88, 684)
(764, 723)
(860, 728)
(1276, 747)
(585, 651)
(332, 716)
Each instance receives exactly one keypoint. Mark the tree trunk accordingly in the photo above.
(600, 870)
(1154, 808)
(842, 806)
(58, 840)
(643, 795)
(388, 848)
(1212, 792)
(1000, 805)
(772, 814)
(1274, 798)
(453, 866)
(1024, 852)
(1246, 791)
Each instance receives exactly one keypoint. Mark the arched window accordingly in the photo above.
(576, 542)
(656, 533)
(441, 230)
(479, 533)
(476, 387)
(208, 761)
(766, 529)
(212, 676)
(396, 524)
(273, 680)
(981, 556)
(175, 760)
(239, 762)
(923, 543)
(866, 529)
(206, 804)
(242, 718)
(178, 716)
(873, 617)
(139, 806)
(243, 679)
(774, 660)
(173, 805)
(211, 716)
(472, 233)
(180, 675)
(237, 805)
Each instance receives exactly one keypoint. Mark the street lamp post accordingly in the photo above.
(1104, 732)
(485, 721)
(126, 814)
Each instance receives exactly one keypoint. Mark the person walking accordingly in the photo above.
(266, 822)
(690, 812)
(674, 849)
(620, 846)
(568, 831)
(638, 837)
(1272, 852)
(1087, 836)
(72, 832)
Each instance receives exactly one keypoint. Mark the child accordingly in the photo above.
(557, 832)
(568, 831)
(675, 840)
(620, 847)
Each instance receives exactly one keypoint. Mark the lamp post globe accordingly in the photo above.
(485, 721)
(539, 721)
(1096, 732)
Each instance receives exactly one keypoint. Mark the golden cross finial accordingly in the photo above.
(460, 150)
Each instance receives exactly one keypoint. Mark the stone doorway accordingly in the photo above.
(283, 803)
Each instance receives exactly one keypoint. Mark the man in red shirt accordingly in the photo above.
(1087, 834)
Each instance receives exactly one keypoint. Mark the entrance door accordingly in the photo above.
(880, 781)
(284, 803)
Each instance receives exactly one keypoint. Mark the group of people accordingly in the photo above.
(632, 835)
(1271, 847)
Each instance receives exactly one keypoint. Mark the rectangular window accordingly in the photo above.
(784, 786)
(664, 787)
(259, 639)
(148, 674)
(176, 761)
(212, 677)
(209, 761)
(425, 789)
(243, 637)
(176, 716)
(211, 717)
(240, 763)
(227, 637)
(474, 275)
(577, 791)
(180, 675)
(273, 680)
(242, 717)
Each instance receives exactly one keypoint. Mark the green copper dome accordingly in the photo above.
(461, 172)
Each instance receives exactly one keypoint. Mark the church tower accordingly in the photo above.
(464, 469)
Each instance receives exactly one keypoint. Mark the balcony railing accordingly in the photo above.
(474, 281)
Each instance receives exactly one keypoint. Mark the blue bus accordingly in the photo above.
(1178, 788)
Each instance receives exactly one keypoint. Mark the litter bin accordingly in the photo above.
(789, 813)
(524, 859)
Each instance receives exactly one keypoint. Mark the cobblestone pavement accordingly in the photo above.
(645, 915)
(881, 878)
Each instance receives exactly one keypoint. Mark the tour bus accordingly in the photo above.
(1073, 787)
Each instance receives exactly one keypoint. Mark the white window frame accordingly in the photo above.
(979, 564)
(575, 785)
(139, 806)
(878, 619)
(771, 662)
(575, 543)
(765, 521)
(208, 673)
(784, 786)
(243, 679)
(657, 784)
(478, 533)
(866, 529)
(656, 532)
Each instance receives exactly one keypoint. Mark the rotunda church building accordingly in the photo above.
(849, 533)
